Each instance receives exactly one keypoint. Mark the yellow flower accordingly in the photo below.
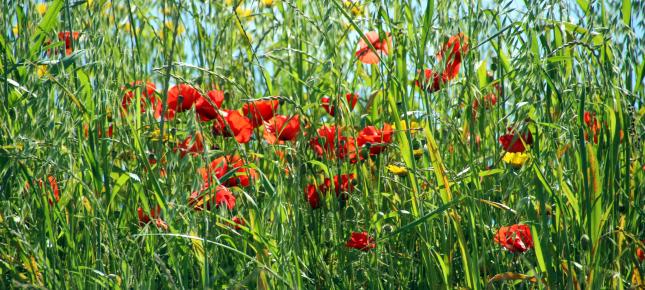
(243, 12)
(267, 2)
(354, 7)
(41, 8)
(171, 26)
(167, 11)
(15, 30)
(516, 159)
(397, 170)
(41, 70)
(418, 152)
(414, 126)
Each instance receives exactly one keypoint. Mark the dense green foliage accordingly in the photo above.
(433, 200)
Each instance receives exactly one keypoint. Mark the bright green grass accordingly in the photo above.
(434, 228)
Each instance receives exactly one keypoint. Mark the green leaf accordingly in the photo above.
(45, 26)
(627, 12)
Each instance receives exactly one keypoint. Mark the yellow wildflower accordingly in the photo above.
(243, 12)
(516, 159)
(354, 7)
(418, 152)
(414, 126)
(41, 8)
(41, 70)
(267, 2)
(397, 170)
(171, 26)
(15, 30)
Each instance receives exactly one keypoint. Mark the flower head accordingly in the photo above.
(516, 159)
(282, 128)
(196, 147)
(260, 110)
(205, 199)
(514, 142)
(375, 139)
(148, 95)
(327, 104)
(204, 105)
(366, 54)
(67, 37)
(515, 238)
(180, 98)
(361, 241)
(230, 123)
(452, 50)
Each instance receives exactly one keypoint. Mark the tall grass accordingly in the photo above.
(433, 226)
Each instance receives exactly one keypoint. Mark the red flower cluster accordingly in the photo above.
(148, 93)
(212, 195)
(53, 185)
(366, 54)
(219, 167)
(260, 111)
(181, 98)
(196, 147)
(67, 37)
(452, 51)
(361, 241)
(327, 104)
(154, 215)
(374, 139)
(204, 105)
(593, 126)
(230, 123)
(330, 142)
(514, 142)
(342, 184)
(281, 128)
(515, 238)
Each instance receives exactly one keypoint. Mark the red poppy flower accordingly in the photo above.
(593, 125)
(343, 184)
(516, 238)
(53, 185)
(230, 123)
(327, 104)
(431, 81)
(360, 241)
(154, 215)
(374, 138)
(453, 50)
(381, 47)
(230, 163)
(489, 101)
(196, 147)
(205, 198)
(260, 110)
(514, 143)
(330, 142)
(205, 109)
(67, 37)
(146, 218)
(282, 128)
(312, 196)
(148, 93)
(239, 223)
(180, 98)
(326, 139)
(640, 254)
